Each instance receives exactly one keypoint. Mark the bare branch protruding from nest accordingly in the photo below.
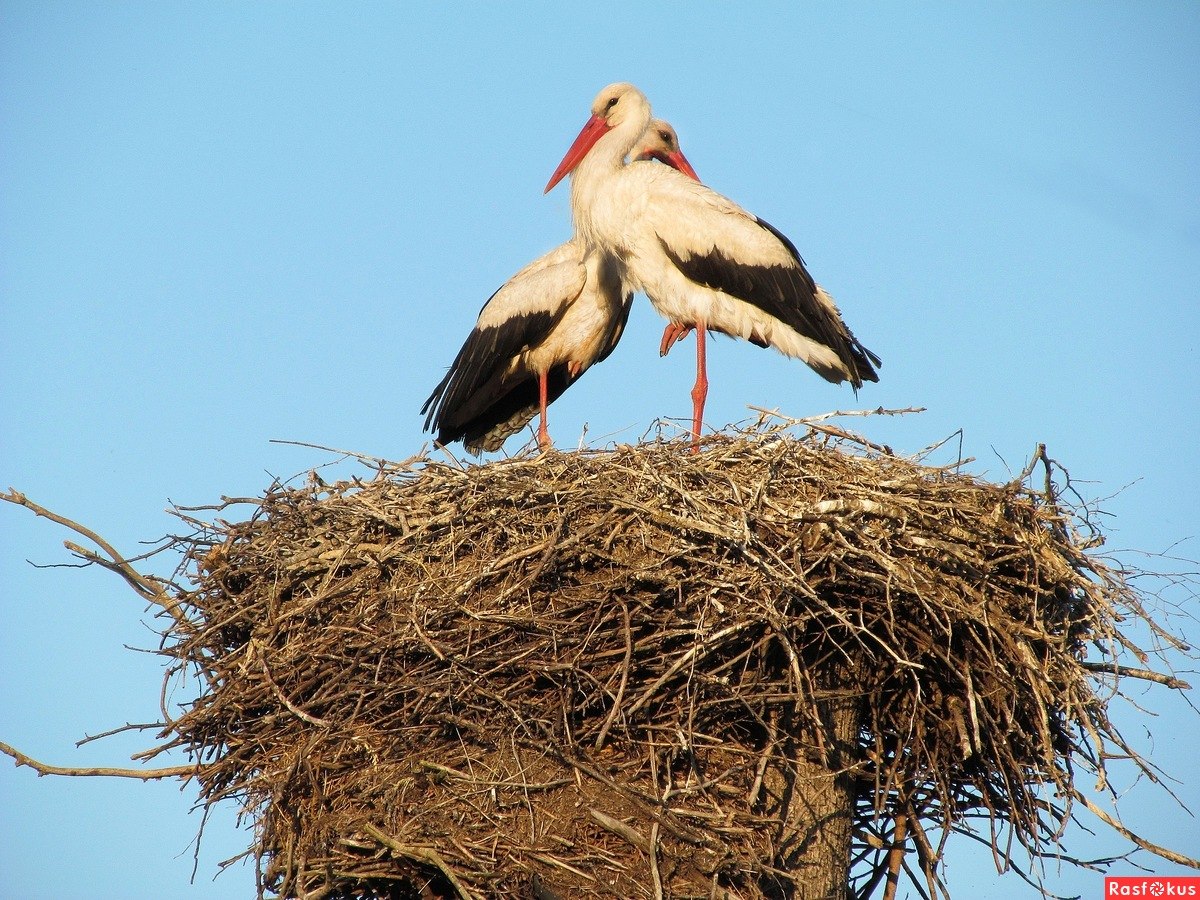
(113, 561)
(42, 768)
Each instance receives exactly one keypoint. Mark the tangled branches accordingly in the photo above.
(640, 673)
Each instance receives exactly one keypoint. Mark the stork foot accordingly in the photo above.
(674, 332)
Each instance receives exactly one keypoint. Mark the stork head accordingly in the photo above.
(662, 143)
(619, 106)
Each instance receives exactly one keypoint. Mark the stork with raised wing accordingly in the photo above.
(537, 334)
(704, 262)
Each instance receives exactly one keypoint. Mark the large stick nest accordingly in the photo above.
(571, 675)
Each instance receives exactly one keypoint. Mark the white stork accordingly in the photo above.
(538, 333)
(704, 262)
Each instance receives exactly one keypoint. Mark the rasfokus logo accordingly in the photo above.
(1152, 886)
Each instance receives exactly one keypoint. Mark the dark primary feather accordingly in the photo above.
(489, 391)
(786, 292)
(864, 360)
(468, 399)
(511, 412)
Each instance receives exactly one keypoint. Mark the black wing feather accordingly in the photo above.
(786, 292)
(480, 376)
(510, 412)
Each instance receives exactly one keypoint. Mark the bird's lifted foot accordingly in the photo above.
(674, 332)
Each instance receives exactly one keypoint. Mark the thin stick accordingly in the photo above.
(616, 707)
(1133, 836)
(128, 726)
(420, 854)
(1039, 454)
(42, 768)
(116, 562)
(295, 710)
(1143, 674)
(709, 642)
(655, 875)
(378, 461)
(839, 413)
(628, 832)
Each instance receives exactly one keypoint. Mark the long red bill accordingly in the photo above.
(675, 160)
(679, 161)
(595, 129)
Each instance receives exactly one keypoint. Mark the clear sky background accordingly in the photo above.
(226, 223)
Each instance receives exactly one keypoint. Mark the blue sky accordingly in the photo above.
(227, 223)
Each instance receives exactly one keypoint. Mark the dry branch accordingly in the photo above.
(42, 768)
(112, 560)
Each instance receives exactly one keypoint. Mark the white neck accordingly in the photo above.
(594, 177)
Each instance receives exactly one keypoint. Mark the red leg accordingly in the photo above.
(673, 332)
(700, 390)
(543, 434)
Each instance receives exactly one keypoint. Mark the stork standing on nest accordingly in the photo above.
(705, 263)
(541, 331)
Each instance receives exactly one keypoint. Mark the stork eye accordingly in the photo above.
(611, 103)
(666, 137)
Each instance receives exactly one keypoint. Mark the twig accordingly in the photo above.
(420, 854)
(616, 705)
(98, 771)
(378, 461)
(115, 563)
(128, 726)
(1166, 854)
(1142, 674)
(295, 710)
(619, 828)
(655, 875)
(814, 423)
(836, 414)
(1039, 455)
(708, 643)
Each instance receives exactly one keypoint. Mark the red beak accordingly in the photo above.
(595, 129)
(678, 161)
(675, 160)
